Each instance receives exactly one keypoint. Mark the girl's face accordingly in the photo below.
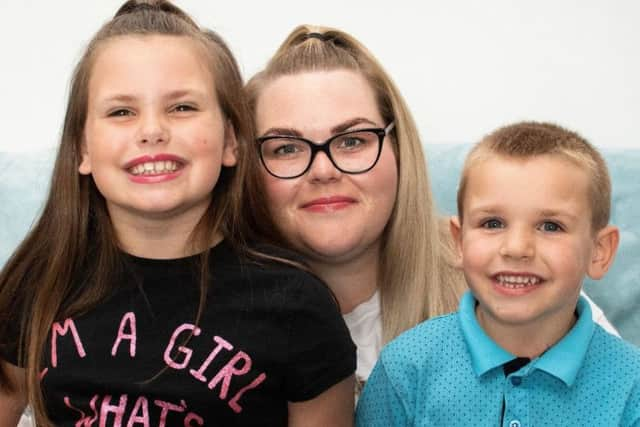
(155, 138)
(329, 215)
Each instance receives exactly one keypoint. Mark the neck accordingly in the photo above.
(353, 281)
(530, 340)
(158, 238)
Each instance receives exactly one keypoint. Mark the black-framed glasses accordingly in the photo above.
(353, 152)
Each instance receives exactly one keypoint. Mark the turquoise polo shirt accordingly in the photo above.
(448, 372)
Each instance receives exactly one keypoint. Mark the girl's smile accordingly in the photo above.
(158, 168)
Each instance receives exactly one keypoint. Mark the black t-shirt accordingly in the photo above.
(268, 334)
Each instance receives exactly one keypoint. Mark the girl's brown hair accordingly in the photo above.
(416, 277)
(67, 262)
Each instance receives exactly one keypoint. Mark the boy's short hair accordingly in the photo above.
(525, 140)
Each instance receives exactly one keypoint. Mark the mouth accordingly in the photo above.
(328, 203)
(161, 164)
(517, 281)
(155, 168)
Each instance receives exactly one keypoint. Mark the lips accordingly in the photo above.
(160, 164)
(328, 203)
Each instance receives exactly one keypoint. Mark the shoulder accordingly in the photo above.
(613, 354)
(274, 271)
(427, 340)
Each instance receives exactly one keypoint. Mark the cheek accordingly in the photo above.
(477, 250)
(382, 180)
(279, 192)
(571, 258)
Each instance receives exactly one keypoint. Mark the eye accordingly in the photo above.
(492, 223)
(351, 142)
(286, 149)
(355, 141)
(120, 112)
(182, 108)
(550, 226)
(281, 148)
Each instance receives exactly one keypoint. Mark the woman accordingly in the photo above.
(361, 211)
(371, 232)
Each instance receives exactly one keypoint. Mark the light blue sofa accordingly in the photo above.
(24, 179)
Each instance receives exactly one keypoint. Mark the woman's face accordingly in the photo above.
(328, 215)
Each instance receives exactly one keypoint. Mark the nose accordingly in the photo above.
(518, 243)
(153, 129)
(322, 169)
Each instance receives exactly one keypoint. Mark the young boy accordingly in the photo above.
(522, 350)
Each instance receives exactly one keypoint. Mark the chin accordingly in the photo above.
(332, 251)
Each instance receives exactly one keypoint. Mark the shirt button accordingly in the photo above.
(514, 423)
(516, 381)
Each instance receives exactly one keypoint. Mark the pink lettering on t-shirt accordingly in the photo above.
(222, 343)
(230, 370)
(84, 420)
(193, 417)
(63, 330)
(140, 413)
(130, 320)
(233, 403)
(118, 410)
(166, 407)
(181, 349)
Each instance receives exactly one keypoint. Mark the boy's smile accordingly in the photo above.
(526, 242)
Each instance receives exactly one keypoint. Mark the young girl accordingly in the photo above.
(134, 300)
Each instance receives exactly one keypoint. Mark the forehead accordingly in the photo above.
(315, 101)
(128, 63)
(541, 183)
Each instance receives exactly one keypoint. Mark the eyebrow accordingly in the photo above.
(176, 94)
(342, 127)
(555, 214)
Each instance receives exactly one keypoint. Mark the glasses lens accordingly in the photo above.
(355, 151)
(285, 157)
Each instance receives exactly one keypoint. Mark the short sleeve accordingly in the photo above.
(320, 350)
(380, 404)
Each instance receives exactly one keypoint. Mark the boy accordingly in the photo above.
(522, 350)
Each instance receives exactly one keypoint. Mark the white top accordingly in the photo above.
(365, 325)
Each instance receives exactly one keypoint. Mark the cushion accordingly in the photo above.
(24, 178)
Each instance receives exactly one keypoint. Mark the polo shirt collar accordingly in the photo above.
(563, 360)
(485, 354)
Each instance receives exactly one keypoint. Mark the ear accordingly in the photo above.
(604, 251)
(84, 168)
(456, 233)
(230, 148)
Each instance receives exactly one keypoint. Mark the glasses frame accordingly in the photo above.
(324, 147)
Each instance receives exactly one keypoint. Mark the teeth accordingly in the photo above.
(152, 168)
(516, 282)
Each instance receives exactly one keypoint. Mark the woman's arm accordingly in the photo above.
(12, 404)
(333, 407)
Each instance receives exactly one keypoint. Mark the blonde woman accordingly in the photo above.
(346, 181)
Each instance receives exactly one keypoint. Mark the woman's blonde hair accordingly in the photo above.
(67, 262)
(416, 278)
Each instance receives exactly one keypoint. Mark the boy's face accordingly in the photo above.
(526, 240)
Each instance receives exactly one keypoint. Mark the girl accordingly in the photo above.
(365, 223)
(135, 299)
